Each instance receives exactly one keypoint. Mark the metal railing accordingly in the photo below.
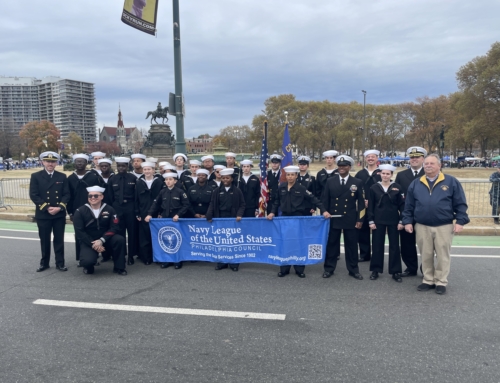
(15, 192)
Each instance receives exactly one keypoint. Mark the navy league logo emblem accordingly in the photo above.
(170, 239)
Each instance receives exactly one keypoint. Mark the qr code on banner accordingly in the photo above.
(315, 252)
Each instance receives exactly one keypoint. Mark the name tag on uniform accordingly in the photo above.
(175, 198)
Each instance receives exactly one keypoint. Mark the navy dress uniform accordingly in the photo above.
(250, 187)
(145, 193)
(408, 240)
(291, 201)
(200, 195)
(308, 181)
(99, 222)
(172, 201)
(273, 181)
(78, 185)
(227, 202)
(325, 174)
(385, 207)
(343, 198)
(49, 189)
(121, 190)
(364, 234)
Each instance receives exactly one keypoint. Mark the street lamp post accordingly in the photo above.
(180, 144)
(364, 124)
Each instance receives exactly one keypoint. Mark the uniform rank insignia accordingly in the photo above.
(115, 220)
(395, 189)
(308, 192)
(354, 188)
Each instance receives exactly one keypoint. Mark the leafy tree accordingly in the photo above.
(40, 136)
(75, 141)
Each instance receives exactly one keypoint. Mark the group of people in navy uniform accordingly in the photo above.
(109, 209)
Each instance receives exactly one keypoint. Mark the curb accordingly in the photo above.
(467, 231)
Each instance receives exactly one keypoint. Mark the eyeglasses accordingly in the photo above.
(94, 196)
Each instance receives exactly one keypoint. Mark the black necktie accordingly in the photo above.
(416, 173)
(343, 182)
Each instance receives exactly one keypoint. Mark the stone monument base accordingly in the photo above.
(160, 144)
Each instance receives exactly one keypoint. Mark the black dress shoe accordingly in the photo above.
(301, 275)
(281, 275)
(88, 270)
(408, 273)
(121, 272)
(327, 274)
(42, 268)
(397, 277)
(440, 290)
(357, 276)
(164, 265)
(425, 287)
(374, 275)
(220, 267)
(234, 268)
(130, 260)
(364, 260)
(62, 268)
(78, 264)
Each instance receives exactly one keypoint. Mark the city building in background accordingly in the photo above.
(127, 139)
(199, 145)
(68, 104)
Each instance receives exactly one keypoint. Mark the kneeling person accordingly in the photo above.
(96, 228)
(291, 199)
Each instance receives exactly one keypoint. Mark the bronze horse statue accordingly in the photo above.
(158, 113)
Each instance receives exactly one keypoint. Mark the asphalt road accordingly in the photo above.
(336, 329)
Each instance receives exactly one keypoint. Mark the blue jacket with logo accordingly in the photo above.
(438, 206)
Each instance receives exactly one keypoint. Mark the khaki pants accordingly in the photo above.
(435, 239)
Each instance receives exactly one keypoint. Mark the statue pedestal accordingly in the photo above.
(160, 143)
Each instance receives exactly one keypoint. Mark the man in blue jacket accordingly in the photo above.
(434, 201)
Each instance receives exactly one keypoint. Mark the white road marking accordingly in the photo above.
(68, 238)
(160, 310)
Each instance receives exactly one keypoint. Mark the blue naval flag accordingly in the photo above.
(282, 241)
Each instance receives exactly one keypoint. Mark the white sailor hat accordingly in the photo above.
(148, 164)
(162, 164)
(209, 157)
(230, 154)
(106, 160)
(80, 155)
(219, 167)
(96, 189)
(203, 171)
(122, 160)
(169, 166)
(304, 159)
(49, 156)
(372, 151)
(98, 154)
(194, 162)
(416, 151)
(227, 172)
(180, 155)
(345, 161)
(330, 153)
(275, 158)
(171, 175)
(291, 169)
(138, 155)
(246, 162)
(387, 167)
(152, 159)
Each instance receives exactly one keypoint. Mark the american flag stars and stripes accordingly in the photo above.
(264, 191)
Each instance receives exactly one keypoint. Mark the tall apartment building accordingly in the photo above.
(69, 104)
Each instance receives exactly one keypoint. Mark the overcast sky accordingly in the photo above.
(237, 53)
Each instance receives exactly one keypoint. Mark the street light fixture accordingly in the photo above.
(364, 123)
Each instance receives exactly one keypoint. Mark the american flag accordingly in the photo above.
(264, 191)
